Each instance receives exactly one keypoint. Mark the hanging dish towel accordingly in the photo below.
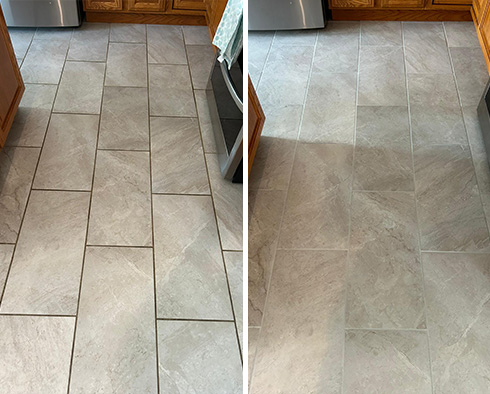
(229, 36)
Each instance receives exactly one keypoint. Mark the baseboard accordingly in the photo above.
(400, 15)
(157, 19)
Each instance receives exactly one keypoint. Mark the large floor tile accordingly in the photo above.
(121, 202)
(128, 32)
(300, 345)
(54, 33)
(295, 38)
(386, 362)
(234, 270)
(32, 117)
(166, 45)
(67, 158)
(89, 42)
(317, 206)
(126, 65)
(383, 157)
(171, 91)
(198, 358)
(6, 252)
(384, 281)
(124, 119)
(381, 33)
(330, 109)
(259, 44)
(21, 38)
(228, 202)
(44, 61)
(17, 166)
(80, 90)
(177, 159)
(115, 345)
(35, 354)
(201, 62)
(196, 35)
(191, 281)
(457, 291)
(461, 34)
(381, 76)
(46, 269)
(205, 123)
(265, 213)
(449, 207)
(253, 337)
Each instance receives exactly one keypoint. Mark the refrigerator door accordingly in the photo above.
(285, 14)
(42, 13)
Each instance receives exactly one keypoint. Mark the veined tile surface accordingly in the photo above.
(6, 252)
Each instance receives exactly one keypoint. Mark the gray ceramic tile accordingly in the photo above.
(21, 39)
(201, 62)
(234, 269)
(35, 354)
(381, 33)
(120, 213)
(44, 61)
(301, 341)
(317, 209)
(80, 89)
(31, 120)
(385, 286)
(461, 34)
(382, 76)
(17, 166)
(295, 38)
(205, 123)
(191, 281)
(5, 259)
(115, 345)
(228, 202)
(423, 33)
(166, 45)
(128, 32)
(124, 119)
(338, 47)
(253, 336)
(386, 362)
(486, 206)
(171, 91)
(54, 33)
(90, 42)
(457, 292)
(126, 65)
(177, 159)
(330, 110)
(265, 212)
(435, 113)
(67, 158)
(196, 35)
(449, 209)
(259, 44)
(198, 357)
(383, 159)
(46, 269)
(471, 74)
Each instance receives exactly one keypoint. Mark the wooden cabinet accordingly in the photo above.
(146, 5)
(11, 84)
(478, 8)
(102, 5)
(352, 3)
(189, 5)
(481, 16)
(453, 2)
(256, 120)
(402, 3)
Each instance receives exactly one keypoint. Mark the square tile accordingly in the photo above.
(121, 201)
(201, 62)
(46, 269)
(190, 275)
(177, 158)
(35, 354)
(80, 89)
(128, 32)
(124, 119)
(423, 33)
(44, 61)
(90, 42)
(381, 33)
(196, 35)
(115, 340)
(234, 269)
(198, 357)
(461, 34)
(126, 65)
(67, 158)
(166, 45)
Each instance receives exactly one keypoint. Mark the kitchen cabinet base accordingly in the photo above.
(157, 19)
(400, 15)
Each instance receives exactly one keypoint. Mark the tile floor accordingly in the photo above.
(120, 243)
(369, 248)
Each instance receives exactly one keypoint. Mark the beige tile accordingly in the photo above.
(6, 252)
(46, 269)
(67, 158)
(191, 280)
(126, 65)
(202, 98)
(90, 42)
(198, 357)
(177, 159)
(35, 354)
(234, 270)
(115, 345)
(166, 45)
(121, 202)
(300, 345)
(253, 337)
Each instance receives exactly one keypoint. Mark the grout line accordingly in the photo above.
(462, 252)
(181, 194)
(195, 320)
(386, 329)
(118, 246)
(122, 150)
(265, 61)
(313, 249)
(35, 315)
(60, 190)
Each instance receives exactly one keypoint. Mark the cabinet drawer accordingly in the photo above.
(351, 3)
(403, 3)
(189, 5)
(452, 2)
(146, 5)
(102, 5)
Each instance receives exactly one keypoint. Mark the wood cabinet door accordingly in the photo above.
(189, 5)
(351, 3)
(403, 3)
(11, 84)
(256, 120)
(146, 5)
(452, 2)
(479, 8)
(485, 32)
(101, 5)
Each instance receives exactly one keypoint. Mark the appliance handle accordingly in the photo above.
(229, 84)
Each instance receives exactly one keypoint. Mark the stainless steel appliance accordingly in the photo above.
(42, 13)
(225, 100)
(285, 14)
(484, 118)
